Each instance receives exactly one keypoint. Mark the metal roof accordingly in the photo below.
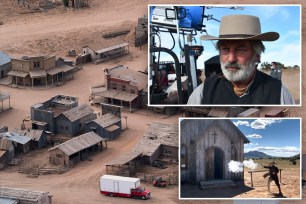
(103, 44)
(38, 74)
(53, 71)
(32, 133)
(21, 194)
(107, 120)
(17, 73)
(111, 48)
(121, 72)
(15, 137)
(78, 112)
(8, 201)
(124, 158)
(78, 143)
(158, 134)
(4, 59)
(112, 128)
(118, 95)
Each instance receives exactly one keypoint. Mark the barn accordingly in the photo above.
(107, 126)
(206, 148)
(160, 140)
(72, 122)
(77, 149)
(17, 195)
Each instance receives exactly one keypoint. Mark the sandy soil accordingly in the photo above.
(55, 32)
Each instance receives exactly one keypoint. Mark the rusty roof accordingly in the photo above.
(107, 120)
(158, 134)
(121, 72)
(79, 143)
(78, 112)
(31, 133)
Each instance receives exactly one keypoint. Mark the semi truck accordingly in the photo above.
(123, 187)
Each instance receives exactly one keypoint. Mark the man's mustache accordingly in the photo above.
(233, 65)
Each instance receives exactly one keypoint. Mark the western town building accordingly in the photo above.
(38, 137)
(43, 114)
(77, 149)
(160, 140)
(124, 86)
(72, 122)
(103, 51)
(107, 126)
(206, 148)
(38, 71)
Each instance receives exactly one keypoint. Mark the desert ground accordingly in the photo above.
(55, 32)
(290, 182)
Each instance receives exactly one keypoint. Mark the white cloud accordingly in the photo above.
(251, 144)
(262, 123)
(254, 136)
(268, 12)
(287, 151)
(240, 122)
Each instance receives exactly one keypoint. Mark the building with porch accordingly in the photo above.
(38, 71)
(77, 149)
(124, 86)
(105, 50)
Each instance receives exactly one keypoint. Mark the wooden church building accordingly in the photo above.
(206, 148)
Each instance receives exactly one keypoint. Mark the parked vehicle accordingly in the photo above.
(159, 182)
(123, 187)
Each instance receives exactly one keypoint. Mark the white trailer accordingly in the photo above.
(122, 186)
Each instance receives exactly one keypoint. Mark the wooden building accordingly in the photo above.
(160, 140)
(72, 122)
(38, 137)
(21, 144)
(5, 65)
(206, 148)
(4, 96)
(22, 196)
(124, 86)
(105, 50)
(211, 111)
(7, 152)
(108, 126)
(38, 71)
(77, 149)
(43, 114)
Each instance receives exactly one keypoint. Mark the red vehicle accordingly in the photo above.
(123, 187)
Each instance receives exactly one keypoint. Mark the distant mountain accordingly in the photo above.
(296, 156)
(257, 154)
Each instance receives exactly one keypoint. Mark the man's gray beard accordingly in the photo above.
(244, 72)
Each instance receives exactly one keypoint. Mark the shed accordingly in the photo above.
(5, 64)
(107, 126)
(24, 196)
(21, 144)
(38, 137)
(206, 148)
(76, 149)
(159, 140)
(7, 151)
(106, 50)
(72, 122)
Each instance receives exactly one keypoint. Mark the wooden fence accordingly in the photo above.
(251, 172)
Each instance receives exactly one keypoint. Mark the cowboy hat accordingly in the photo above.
(241, 27)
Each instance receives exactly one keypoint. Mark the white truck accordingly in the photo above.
(123, 187)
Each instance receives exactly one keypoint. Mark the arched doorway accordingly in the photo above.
(214, 163)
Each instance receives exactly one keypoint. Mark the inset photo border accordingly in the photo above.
(246, 55)
(240, 158)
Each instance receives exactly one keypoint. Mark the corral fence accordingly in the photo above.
(171, 178)
(42, 170)
(252, 172)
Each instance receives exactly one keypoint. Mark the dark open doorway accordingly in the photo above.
(214, 163)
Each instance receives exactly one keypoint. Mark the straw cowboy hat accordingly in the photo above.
(241, 27)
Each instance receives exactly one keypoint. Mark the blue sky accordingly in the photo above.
(282, 19)
(276, 137)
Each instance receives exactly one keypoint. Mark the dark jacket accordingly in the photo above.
(263, 90)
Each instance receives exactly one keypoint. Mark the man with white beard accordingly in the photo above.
(240, 83)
